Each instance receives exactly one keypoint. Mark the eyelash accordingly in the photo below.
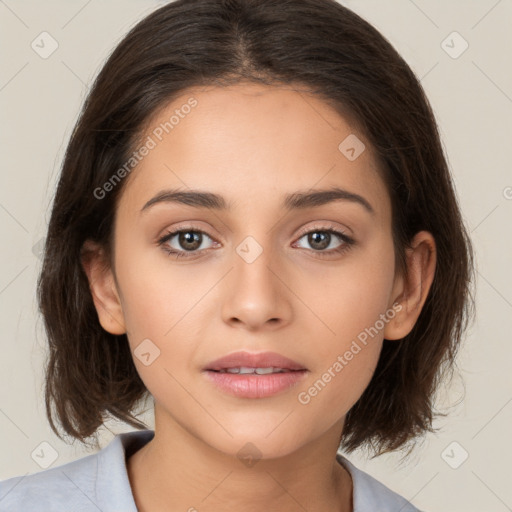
(348, 242)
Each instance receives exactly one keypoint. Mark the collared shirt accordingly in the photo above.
(99, 483)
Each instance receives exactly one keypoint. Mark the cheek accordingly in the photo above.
(157, 294)
(161, 320)
(353, 310)
(353, 294)
(164, 315)
(331, 394)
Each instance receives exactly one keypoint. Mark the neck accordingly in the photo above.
(178, 471)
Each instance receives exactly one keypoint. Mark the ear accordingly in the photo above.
(103, 288)
(411, 291)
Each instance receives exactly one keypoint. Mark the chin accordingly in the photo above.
(252, 443)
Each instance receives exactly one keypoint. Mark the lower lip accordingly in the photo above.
(255, 386)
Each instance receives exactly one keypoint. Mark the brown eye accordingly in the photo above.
(190, 240)
(325, 241)
(319, 239)
(182, 241)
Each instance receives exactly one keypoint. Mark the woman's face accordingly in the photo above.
(248, 276)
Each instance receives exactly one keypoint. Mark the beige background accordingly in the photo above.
(472, 98)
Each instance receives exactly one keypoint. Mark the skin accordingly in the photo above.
(253, 144)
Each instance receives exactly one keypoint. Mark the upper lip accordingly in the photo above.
(254, 360)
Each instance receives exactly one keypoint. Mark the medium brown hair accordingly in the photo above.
(346, 62)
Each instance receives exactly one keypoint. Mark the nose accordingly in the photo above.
(256, 293)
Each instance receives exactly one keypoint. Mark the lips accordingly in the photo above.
(254, 375)
(244, 359)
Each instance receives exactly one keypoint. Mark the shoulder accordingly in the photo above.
(369, 494)
(52, 488)
(94, 482)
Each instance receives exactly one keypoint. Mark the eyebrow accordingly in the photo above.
(295, 201)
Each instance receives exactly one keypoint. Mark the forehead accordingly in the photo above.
(251, 142)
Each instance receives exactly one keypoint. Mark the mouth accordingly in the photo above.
(260, 375)
(244, 370)
(261, 363)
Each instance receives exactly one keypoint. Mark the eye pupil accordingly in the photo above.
(189, 240)
(319, 239)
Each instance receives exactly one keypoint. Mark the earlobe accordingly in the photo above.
(411, 291)
(103, 288)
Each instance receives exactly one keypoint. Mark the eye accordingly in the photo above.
(188, 241)
(184, 242)
(322, 238)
